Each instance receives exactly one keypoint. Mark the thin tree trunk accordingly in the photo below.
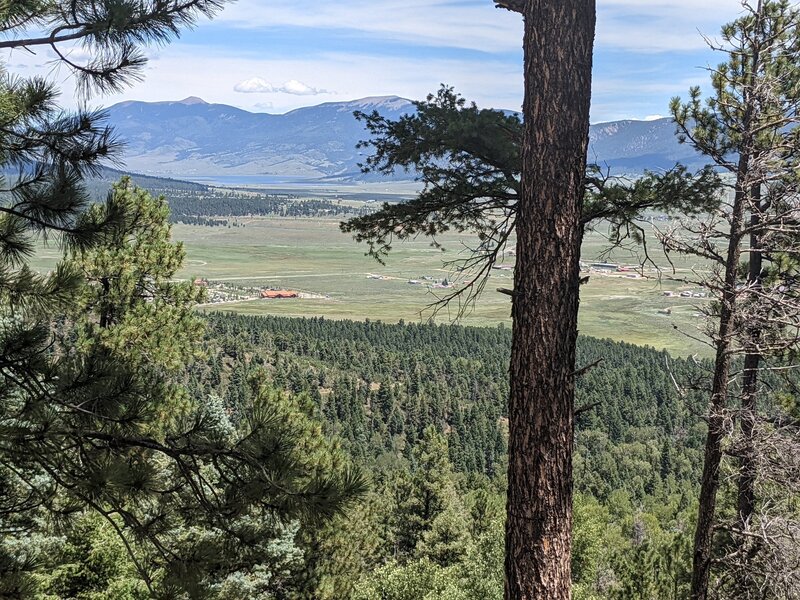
(559, 35)
(704, 533)
(105, 303)
(746, 497)
(709, 485)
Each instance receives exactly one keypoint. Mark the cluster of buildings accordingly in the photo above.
(444, 284)
(219, 292)
(684, 294)
(271, 294)
(426, 280)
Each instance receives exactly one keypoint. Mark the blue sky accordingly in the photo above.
(277, 55)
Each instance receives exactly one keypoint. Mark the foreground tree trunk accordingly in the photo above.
(558, 41)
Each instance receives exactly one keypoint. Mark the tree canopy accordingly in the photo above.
(97, 427)
(469, 161)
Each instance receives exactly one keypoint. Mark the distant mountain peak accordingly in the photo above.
(190, 136)
(388, 102)
(192, 100)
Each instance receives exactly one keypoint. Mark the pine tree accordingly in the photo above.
(470, 162)
(558, 39)
(478, 178)
(130, 310)
(747, 127)
(45, 154)
(110, 428)
(425, 495)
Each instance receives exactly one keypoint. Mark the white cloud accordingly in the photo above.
(441, 23)
(298, 88)
(653, 117)
(257, 85)
(638, 25)
(373, 58)
(345, 75)
(653, 26)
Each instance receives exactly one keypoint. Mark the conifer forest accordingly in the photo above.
(167, 432)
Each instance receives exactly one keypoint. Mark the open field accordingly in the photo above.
(313, 256)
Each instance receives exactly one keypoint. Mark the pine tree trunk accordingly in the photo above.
(746, 497)
(704, 533)
(559, 35)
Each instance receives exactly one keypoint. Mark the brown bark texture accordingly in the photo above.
(709, 485)
(748, 459)
(559, 36)
(746, 496)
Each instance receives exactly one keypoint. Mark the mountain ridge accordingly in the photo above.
(192, 137)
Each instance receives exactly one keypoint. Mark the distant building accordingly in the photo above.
(201, 281)
(276, 294)
(605, 266)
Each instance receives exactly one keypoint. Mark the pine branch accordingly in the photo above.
(517, 6)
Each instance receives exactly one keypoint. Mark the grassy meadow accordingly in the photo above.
(313, 256)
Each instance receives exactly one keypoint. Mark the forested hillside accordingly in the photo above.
(198, 204)
(378, 387)
(203, 208)
(424, 407)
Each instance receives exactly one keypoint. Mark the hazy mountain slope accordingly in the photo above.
(633, 146)
(192, 137)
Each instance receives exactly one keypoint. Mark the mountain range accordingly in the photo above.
(192, 138)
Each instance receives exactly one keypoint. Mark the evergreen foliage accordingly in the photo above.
(194, 208)
(469, 161)
(147, 451)
(113, 32)
(454, 378)
(433, 522)
(747, 127)
(159, 493)
(106, 425)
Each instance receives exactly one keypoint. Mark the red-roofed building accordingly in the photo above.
(276, 294)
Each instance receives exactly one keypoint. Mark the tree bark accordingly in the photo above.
(746, 496)
(704, 533)
(559, 36)
(709, 485)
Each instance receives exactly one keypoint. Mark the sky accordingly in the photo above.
(278, 55)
